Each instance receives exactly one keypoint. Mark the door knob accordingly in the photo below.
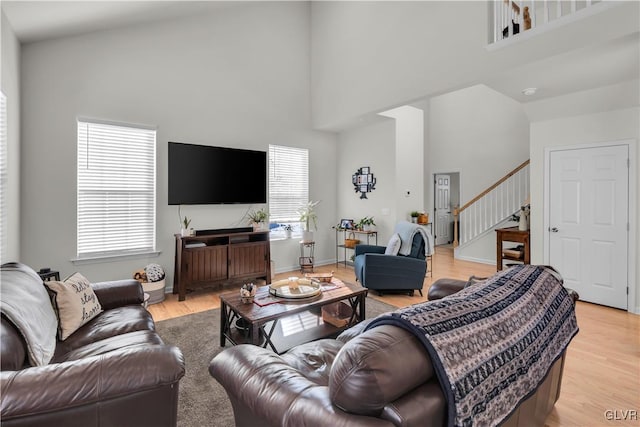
(553, 230)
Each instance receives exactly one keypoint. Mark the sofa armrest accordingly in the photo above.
(60, 386)
(118, 293)
(265, 390)
(445, 287)
(369, 249)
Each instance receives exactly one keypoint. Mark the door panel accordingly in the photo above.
(588, 217)
(443, 209)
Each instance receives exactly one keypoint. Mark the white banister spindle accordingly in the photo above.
(509, 26)
(546, 12)
(559, 9)
(573, 6)
(496, 33)
(532, 14)
(504, 10)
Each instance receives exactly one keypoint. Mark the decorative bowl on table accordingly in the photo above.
(294, 288)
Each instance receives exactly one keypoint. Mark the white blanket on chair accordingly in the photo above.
(407, 230)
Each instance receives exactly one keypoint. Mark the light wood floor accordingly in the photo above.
(602, 369)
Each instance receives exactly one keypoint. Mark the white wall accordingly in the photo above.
(370, 56)
(409, 192)
(370, 145)
(238, 77)
(577, 130)
(10, 82)
(483, 135)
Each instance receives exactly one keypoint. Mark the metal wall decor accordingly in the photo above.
(364, 181)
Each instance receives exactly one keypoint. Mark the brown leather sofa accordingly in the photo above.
(113, 371)
(379, 377)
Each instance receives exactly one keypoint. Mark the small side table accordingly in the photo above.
(306, 256)
(51, 274)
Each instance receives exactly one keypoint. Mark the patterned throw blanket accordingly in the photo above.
(493, 343)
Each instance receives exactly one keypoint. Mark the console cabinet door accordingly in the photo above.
(248, 260)
(208, 264)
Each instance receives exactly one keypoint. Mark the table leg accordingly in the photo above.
(268, 336)
(361, 312)
(224, 323)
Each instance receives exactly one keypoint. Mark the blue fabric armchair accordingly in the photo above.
(391, 273)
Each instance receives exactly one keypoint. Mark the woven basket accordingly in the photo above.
(351, 242)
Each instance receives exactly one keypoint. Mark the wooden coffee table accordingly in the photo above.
(288, 323)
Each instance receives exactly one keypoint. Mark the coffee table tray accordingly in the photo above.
(295, 288)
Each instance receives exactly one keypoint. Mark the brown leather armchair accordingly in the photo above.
(379, 377)
(113, 371)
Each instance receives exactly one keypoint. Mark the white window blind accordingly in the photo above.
(288, 182)
(116, 189)
(3, 178)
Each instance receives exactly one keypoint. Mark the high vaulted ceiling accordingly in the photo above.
(599, 65)
(41, 20)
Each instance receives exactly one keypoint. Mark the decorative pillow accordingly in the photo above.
(75, 303)
(394, 245)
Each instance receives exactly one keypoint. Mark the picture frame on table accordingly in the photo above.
(347, 224)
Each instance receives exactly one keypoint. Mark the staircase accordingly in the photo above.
(491, 207)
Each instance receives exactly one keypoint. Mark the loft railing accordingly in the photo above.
(511, 18)
(492, 206)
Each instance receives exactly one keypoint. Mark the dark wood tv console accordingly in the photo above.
(210, 259)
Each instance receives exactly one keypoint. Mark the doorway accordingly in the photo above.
(588, 211)
(446, 192)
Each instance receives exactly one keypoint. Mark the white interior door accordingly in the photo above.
(588, 221)
(443, 209)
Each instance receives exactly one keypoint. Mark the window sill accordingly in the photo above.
(114, 257)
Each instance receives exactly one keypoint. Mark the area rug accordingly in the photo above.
(203, 402)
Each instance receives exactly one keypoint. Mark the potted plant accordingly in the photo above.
(287, 231)
(184, 230)
(414, 216)
(258, 218)
(308, 216)
(366, 224)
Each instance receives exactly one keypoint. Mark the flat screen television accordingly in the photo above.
(202, 174)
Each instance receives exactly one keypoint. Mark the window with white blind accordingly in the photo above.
(3, 178)
(288, 188)
(116, 189)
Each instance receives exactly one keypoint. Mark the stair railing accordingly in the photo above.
(492, 206)
(511, 18)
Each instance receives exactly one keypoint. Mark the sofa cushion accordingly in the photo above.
(75, 303)
(417, 247)
(377, 368)
(119, 342)
(116, 321)
(25, 302)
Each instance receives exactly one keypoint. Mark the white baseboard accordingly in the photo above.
(478, 260)
(297, 266)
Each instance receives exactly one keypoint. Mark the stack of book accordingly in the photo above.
(515, 253)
